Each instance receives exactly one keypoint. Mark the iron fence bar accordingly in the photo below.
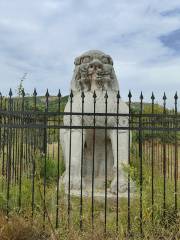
(13, 147)
(129, 164)
(171, 158)
(7, 142)
(117, 163)
(1, 138)
(31, 151)
(82, 162)
(25, 149)
(50, 113)
(9, 134)
(16, 148)
(33, 160)
(58, 166)
(93, 159)
(152, 160)
(140, 162)
(176, 157)
(21, 155)
(161, 147)
(3, 152)
(42, 126)
(69, 164)
(164, 160)
(45, 159)
(105, 207)
(53, 140)
(168, 162)
(49, 141)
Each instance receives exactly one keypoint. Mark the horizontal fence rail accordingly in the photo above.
(33, 167)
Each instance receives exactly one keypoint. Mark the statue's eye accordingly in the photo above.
(77, 61)
(105, 60)
(86, 60)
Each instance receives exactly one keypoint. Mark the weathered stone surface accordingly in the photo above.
(94, 72)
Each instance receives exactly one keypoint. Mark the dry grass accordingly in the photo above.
(18, 228)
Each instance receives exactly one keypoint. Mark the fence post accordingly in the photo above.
(164, 155)
(34, 153)
(140, 161)
(93, 157)
(58, 175)
(8, 166)
(117, 170)
(69, 167)
(45, 155)
(82, 160)
(105, 207)
(152, 156)
(176, 155)
(129, 162)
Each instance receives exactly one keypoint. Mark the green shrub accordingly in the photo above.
(51, 169)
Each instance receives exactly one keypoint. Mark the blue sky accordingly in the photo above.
(43, 37)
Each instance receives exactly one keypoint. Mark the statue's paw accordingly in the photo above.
(122, 186)
(75, 183)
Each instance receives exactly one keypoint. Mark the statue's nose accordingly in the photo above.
(96, 64)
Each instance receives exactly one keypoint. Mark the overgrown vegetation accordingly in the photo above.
(166, 223)
(164, 227)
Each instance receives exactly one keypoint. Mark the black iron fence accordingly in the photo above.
(31, 161)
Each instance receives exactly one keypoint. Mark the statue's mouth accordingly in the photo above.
(94, 76)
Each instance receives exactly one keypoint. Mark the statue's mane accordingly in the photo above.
(81, 65)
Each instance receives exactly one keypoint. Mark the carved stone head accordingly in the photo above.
(94, 71)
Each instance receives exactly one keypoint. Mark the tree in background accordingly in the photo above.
(20, 87)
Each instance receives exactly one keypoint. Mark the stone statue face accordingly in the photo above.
(94, 70)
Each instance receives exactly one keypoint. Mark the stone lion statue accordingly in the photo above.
(94, 72)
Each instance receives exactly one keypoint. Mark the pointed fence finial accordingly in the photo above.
(94, 94)
(47, 94)
(106, 95)
(83, 95)
(71, 94)
(59, 94)
(129, 94)
(176, 96)
(10, 93)
(152, 96)
(34, 93)
(118, 96)
(164, 96)
(141, 96)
